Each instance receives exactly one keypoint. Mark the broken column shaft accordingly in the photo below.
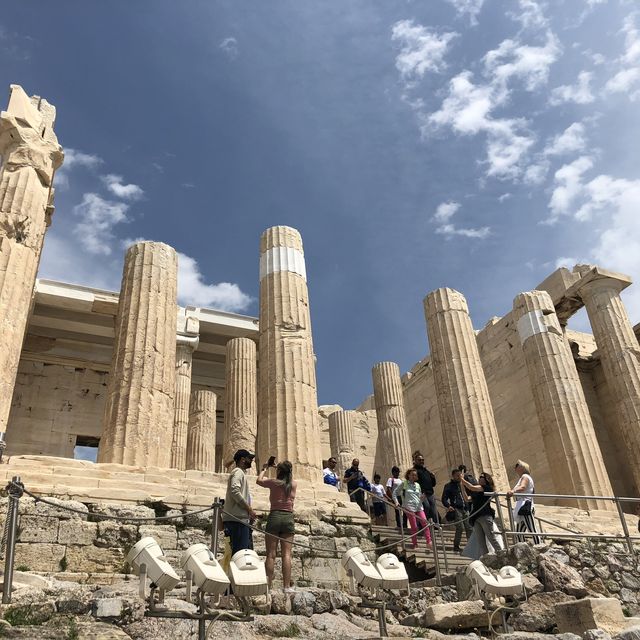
(201, 439)
(29, 157)
(139, 412)
(240, 410)
(341, 439)
(393, 434)
(570, 442)
(288, 421)
(466, 415)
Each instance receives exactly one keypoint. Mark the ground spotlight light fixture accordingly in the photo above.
(248, 576)
(146, 554)
(361, 569)
(204, 569)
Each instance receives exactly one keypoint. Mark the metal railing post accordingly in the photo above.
(215, 521)
(501, 518)
(444, 549)
(512, 526)
(625, 528)
(436, 560)
(15, 490)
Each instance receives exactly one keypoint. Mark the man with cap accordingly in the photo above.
(237, 504)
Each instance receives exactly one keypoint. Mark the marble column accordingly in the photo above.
(466, 415)
(240, 407)
(139, 411)
(288, 421)
(186, 343)
(393, 434)
(619, 354)
(29, 157)
(575, 459)
(201, 439)
(341, 439)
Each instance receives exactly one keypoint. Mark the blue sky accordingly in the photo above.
(464, 143)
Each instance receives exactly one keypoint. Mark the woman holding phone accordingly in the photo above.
(280, 525)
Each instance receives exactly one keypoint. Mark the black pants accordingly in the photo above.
(404, 516)
(358, 497)
(240, 535)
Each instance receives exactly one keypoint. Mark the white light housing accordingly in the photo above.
(248, 576)
(207, 573)
(356, 563)
(507, 582)
(392, 571)
(148, 552)
(510, 581)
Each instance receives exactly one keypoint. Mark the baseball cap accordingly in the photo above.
(242, 453)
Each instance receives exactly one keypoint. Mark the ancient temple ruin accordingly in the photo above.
(150, 384)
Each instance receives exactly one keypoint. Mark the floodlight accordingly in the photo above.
(148, 552)
(507, 582)
(356, 564)
(392, 571)
(207, 574)
(510, 581)
(248, 576)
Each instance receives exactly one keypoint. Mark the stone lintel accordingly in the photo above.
(569, 302)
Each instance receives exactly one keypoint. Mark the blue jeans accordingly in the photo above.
(240, 535)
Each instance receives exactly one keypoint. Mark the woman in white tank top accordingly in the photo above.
(524, 510)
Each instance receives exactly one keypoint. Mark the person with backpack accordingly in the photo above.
(412, 498)
(524, 510)
(427, 482)
(454, 502)
(355, 479)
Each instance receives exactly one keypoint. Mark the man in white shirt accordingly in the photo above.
(329, 474)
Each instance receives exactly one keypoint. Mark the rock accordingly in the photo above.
(525, 635)
(38, 529)
(532, 584)
(39, 557)
(602, 571)
(590, 613)
(632, 633)
(630, 581)
(108, 608)
(559, 577)
(595, 634)
(628, 596)
(522, 555)
(537, 613)
(321, 528)
(557, 554)
(280, 603)
(77, 532)
(456, 615)
(92, 559)
(34, 611)
(165, 535)
(303, 603)
(116, 534)
(121, 511)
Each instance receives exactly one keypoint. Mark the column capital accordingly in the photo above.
(188, 330)
(597, 279)
(534, 313)
(26, 134)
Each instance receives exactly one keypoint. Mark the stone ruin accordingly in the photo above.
(165, 394)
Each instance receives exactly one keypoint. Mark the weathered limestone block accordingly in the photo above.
(393, 433)
(619, 353)
(38, 529)
(570, 440)
(30, 156)
(201, 437)
(466, 415)
(341, 438)
(557, 576)
(187, 342)
(116, 534)
(165, 535)
(468, 614)
(538, 614)
(39, 557)
(77, 532)
(288, 422)
(92, 559)
(592, 613)
(138, 421)
(241, 400)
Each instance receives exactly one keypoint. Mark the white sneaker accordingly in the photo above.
(290, 590)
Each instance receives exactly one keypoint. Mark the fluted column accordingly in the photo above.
(201, 440)
(186, 343)
(138, 419)
(240, 408)
(29, 156)
(288, 421)
(341, 439)
(468, 424)
(619, 354)
(570, 442)
(393, 434)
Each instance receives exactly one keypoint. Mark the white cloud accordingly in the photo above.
(126, 191)
(193, 290)
(97, 219)
(580, 93)
(624, 81)
(469, 8)
(528, 63)
(632, 40)
(504, 197)
(571, 140)
(445, 211)
(535, 174)
(531, 15)
(442, 217)
(568, 188)
(422, 49)
(74, 159)
(230, 48)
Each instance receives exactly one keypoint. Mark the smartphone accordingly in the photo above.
(271, 462)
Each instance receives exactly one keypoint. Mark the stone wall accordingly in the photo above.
(84, 548)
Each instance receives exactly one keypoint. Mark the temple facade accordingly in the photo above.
(144, 382)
